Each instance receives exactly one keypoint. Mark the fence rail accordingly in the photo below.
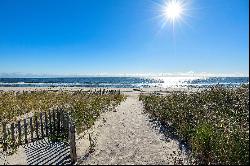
(53, 124)
(105, 91)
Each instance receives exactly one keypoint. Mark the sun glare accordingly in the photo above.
(173, 10)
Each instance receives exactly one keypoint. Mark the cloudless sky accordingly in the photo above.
(122, 36)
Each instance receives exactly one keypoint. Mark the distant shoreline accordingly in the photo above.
(126, 91)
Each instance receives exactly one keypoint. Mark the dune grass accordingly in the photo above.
(214, 122)
(84, 107)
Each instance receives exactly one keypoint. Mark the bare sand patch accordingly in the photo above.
(126, 137)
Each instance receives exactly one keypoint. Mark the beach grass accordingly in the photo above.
(85, 107)
(213, 122)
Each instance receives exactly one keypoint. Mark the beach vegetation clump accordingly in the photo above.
(84, 107)
(213, 122)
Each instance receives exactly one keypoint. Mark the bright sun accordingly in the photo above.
(173, 10)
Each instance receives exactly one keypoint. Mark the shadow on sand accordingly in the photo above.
(45, 152)
(170, 133)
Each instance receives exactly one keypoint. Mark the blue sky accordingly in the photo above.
(122, 36)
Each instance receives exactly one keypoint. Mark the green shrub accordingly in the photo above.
(214, 122)
(84, 107)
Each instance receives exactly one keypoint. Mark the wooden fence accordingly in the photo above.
(106, 91)
(54, 124)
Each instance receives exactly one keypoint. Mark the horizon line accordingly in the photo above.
(163, 74)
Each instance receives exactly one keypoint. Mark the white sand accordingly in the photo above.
(127, 137)
(18, 158)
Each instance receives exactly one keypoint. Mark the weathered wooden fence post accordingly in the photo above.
(64, 123)
(46, 124)
(25, 131)
(4, 137)
(67, 124)
(73, 155)
(50, 123)
(71, 136)
(58, 122)
(41, 122)
(54, 123)
(31, 129)
(36, 122)
(12, 128)
(19, 132)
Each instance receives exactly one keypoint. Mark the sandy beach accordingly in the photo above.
(124, 82)
(128, 133)
(127, 91)
(127, 137)
(122, 136)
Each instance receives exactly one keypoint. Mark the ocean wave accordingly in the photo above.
(126, 82)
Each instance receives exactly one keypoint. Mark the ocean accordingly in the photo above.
(124, 82)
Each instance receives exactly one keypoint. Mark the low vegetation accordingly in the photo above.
(213, 122)
(84, 107)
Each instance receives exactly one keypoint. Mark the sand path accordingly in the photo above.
(127, 137)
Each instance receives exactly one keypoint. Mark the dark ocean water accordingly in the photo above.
(123, 82)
